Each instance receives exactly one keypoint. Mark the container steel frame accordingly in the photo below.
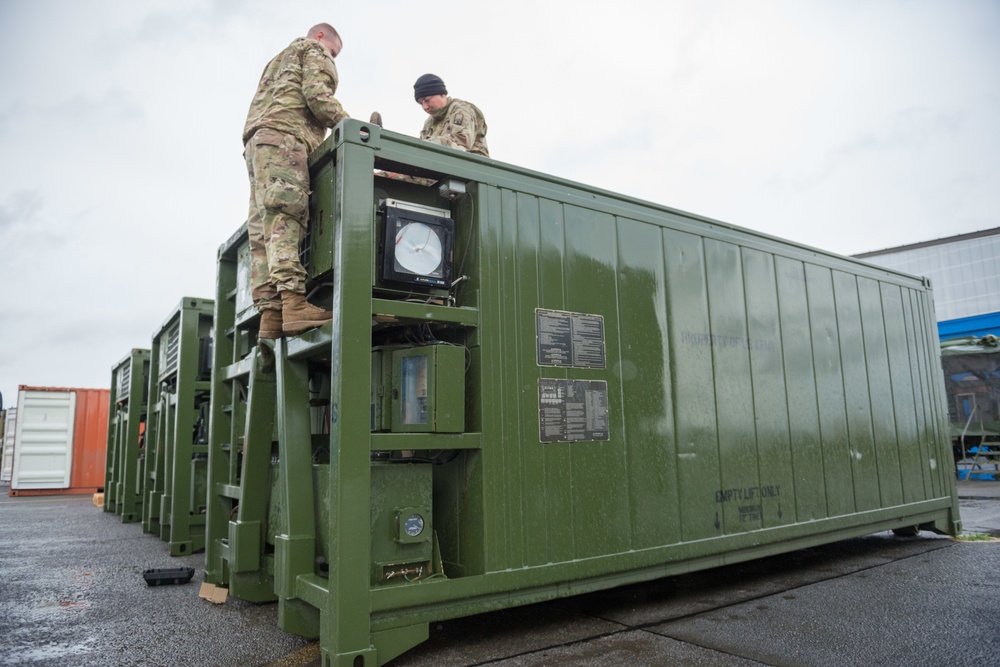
(175, 466)
(238, 551)
(123, 480)
(762, 397)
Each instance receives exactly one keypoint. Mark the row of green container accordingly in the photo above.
(157, 454)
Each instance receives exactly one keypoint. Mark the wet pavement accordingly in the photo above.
(72, 592)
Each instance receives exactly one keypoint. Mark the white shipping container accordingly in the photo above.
(43, 455)
(7, 463)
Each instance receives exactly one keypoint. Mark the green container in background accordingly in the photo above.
(177, 427)
(123, 479)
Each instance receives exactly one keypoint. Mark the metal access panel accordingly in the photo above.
(43, 452)
(402, 523)
(177, 427)
(428, 389)
(381, 389)
(646, 392)
(123, 481)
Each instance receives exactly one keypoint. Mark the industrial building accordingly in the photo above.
(965, 275)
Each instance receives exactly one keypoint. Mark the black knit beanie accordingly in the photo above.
(428, 85)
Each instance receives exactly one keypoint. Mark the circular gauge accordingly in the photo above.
(418, 248)
(414, 525)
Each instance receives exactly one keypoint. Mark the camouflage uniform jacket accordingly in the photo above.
(296, 94)
(458, 124)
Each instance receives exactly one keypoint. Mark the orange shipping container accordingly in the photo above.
(59, 445)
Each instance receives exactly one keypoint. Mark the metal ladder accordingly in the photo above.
(986, 459)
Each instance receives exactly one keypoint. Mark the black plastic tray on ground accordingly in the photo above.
(168, 575)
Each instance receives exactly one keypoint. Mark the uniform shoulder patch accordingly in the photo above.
(458, 119)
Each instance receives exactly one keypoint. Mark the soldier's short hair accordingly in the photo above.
(324, 28)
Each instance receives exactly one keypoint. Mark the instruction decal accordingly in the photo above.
(575, 340)
(572, 410)
(705, 339)
(750, 508)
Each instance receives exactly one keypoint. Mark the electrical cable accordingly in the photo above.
(472, 230)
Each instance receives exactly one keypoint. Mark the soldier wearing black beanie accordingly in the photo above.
(427, 85)
(454, 123)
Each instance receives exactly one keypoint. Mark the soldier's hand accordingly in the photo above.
(375, 118)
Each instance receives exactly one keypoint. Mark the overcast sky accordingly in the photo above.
(847, 125)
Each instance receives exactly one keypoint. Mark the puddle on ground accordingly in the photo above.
(22, 655)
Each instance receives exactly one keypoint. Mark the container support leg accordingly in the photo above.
(295, 551)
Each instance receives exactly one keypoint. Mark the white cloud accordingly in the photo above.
(846, 126)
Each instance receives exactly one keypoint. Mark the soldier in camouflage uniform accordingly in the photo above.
(288, 118)
(452, 122)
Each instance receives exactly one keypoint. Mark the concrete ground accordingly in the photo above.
(72, 592)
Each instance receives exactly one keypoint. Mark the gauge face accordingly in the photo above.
(414, 525)
(418, 249)
(415, 248)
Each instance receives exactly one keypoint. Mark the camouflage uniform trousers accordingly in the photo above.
(279, 212)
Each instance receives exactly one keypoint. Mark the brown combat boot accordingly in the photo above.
(298, 315)
(270, 324)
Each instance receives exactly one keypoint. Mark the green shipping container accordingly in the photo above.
(175, 465)
(123, 478)
(533, 388)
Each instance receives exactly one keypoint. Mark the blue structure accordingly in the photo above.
(975, 325)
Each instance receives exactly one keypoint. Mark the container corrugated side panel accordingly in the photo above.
(7, 467)
(754, 386)
(44, 437)
(90, 438)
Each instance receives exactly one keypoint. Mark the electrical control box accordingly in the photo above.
(428, 389)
